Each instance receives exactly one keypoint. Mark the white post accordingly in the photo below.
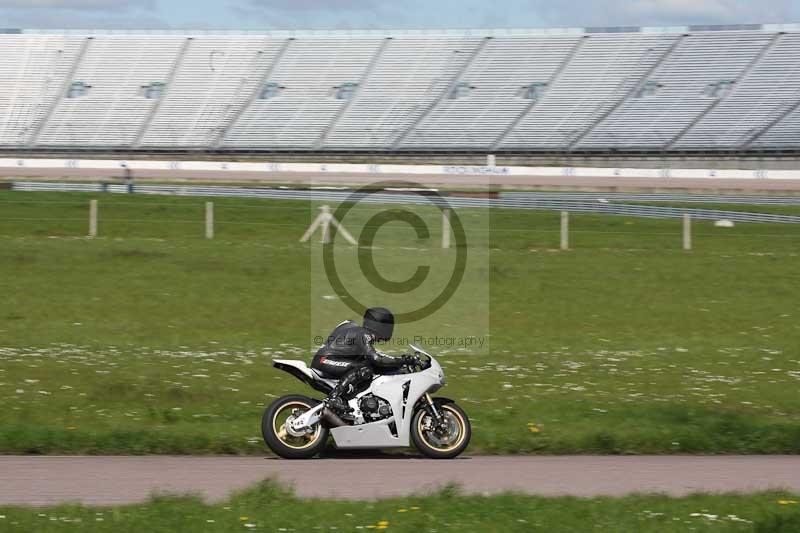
(446, 228)
(209, 220)
(491, 160)
(565, 230)
(687, 232)
(93, 218)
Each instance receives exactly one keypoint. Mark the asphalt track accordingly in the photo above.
(44, 481)
(451, 180)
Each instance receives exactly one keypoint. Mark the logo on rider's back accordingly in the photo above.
(326, 361)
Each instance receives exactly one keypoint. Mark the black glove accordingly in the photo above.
(410, 360)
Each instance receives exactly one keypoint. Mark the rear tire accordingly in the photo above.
(442, 447)
(279, 441)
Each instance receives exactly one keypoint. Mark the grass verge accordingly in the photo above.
(271, 508)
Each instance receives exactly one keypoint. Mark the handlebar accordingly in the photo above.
(418, 362)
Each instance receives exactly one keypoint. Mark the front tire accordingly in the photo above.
(273, 429)
(441, 443)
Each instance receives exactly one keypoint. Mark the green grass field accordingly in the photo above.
(268, 507)
(151, 339)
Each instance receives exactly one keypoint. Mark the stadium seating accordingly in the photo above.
(622, 89)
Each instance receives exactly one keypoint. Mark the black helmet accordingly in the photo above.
(379, 321)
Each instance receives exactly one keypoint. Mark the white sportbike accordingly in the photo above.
(394, 411)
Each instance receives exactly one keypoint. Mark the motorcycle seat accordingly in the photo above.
(320, 376)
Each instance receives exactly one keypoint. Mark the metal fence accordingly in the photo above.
(743, 199)
(580, 203)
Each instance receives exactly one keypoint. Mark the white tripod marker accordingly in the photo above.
(325, 219)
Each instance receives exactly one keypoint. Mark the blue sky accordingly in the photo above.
(382, 14)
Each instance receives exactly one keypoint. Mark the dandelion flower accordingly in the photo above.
(383, 523)
(402, 510)
(243, 518)
(788, 502)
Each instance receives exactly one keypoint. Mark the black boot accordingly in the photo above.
(339, 395)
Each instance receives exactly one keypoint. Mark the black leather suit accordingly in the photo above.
(349, 354)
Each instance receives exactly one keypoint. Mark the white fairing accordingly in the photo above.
(390, 388)
(305, 369)
(299, 365)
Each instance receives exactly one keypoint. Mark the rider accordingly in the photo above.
(349, 354)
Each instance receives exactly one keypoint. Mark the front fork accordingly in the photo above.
(433, 410)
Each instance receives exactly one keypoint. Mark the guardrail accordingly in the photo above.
(506, 201)
(659, 197)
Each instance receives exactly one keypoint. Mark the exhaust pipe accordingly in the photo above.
(331, 419)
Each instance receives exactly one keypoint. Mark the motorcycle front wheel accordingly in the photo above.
(283, 443)
(444, 441)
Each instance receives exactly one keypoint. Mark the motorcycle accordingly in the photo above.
(393, 411)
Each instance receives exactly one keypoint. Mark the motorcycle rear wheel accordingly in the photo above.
(283, 444)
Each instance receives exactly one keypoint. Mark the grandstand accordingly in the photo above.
(680, 90)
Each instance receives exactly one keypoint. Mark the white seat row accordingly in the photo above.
(650, 90)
